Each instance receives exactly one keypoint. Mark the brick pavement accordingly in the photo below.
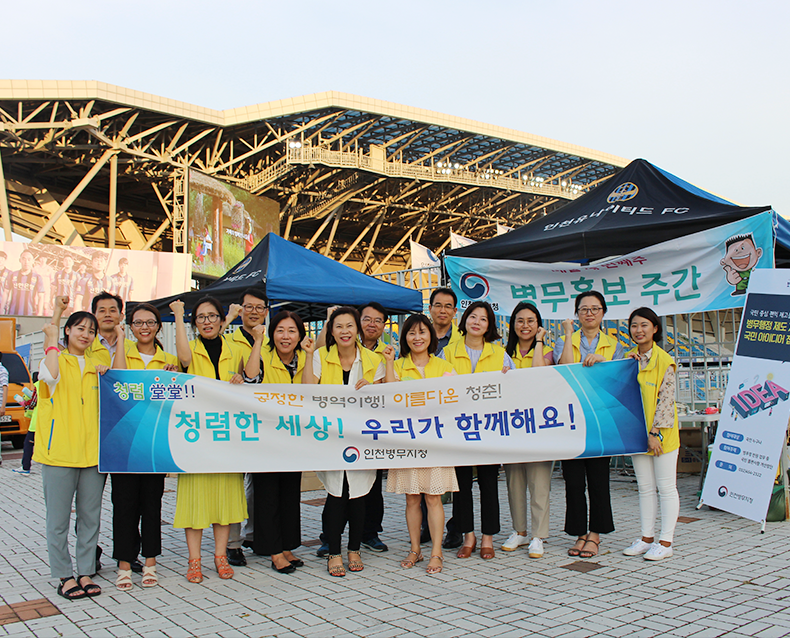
(726, 579)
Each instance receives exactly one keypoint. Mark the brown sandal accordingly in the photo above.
(408, 563)
(355, 565)
(224, 569)
(338, 571)
(195, 572)
(587, 554)
(435, 569)
(575, 551)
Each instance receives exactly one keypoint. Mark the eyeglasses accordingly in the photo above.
(446, 306)
(376, 321)
(528, 322)
(207, 318)
(139, 324)
(250, 308)
(585, 310)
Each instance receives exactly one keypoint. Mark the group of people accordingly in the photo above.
(262, 510)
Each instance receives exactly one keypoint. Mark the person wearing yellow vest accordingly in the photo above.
(477, 353)
(67, 446)
(527, 345)
(343, 361)
(137, 498)
(658, 467)
(443, 307)
(417, 344)
(108, 310)
(588, 345)
(207, 500)
(253, 307)
(276, 505)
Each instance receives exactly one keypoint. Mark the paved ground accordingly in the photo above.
(726, 579)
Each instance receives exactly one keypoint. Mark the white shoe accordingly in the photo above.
(535, 548)
(658, 552)
(637, 547)
(515, 541)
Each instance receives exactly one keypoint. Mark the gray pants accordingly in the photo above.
(537, 478)
(60, 486)
(237, 534)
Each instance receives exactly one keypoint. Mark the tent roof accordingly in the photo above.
(639, 206)
(298, 279)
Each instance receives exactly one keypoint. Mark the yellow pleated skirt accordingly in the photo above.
(205, 499)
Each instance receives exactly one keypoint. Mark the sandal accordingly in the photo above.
(575, 551)
(435, 569)
(91, 589)
(124, 580)
(195, 572)
(224, 570)
(74, 592)
(338, 571)
(355, 565)
(408, 563)
(150, 579)
(587, 554)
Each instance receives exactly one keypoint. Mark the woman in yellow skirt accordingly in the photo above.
(208, 500)
(417, 360)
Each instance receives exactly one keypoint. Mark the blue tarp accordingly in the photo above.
(298, 279)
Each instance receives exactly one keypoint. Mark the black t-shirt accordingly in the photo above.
(214, 350)
(346, 375)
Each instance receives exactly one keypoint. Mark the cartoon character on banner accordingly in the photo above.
(741, 255)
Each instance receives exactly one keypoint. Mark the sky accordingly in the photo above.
(699, 88)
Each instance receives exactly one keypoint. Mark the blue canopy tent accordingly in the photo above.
(298, 279)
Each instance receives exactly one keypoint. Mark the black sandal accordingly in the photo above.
(74, 592)
(91, 589)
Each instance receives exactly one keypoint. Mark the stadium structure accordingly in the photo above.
(85, 163)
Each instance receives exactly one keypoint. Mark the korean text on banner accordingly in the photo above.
(748, 446)
(155, 421)
(704, 271)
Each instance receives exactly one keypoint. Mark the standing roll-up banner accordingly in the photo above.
(755, 412)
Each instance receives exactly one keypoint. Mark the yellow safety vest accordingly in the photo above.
(135, 362)
(650, 382)
(67, 432)
(274, 370)
(606, 347)
(201, 365)
(100, 354)
(239, 341)
(436, 367)
(332, 371)
(491, 360)
(526, 360)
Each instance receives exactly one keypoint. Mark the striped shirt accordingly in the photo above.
(23, 292)
(66, 283)
(122, 285)
(90, 287)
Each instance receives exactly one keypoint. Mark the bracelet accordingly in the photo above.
(55, 348)
(538, 340)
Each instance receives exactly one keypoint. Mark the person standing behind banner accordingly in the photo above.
(417, 344)
(477, 353)
(67, 447)
(526, 344)
(343, 361)
(277, 494)
(137, 498)
(442, 307)
(587, 345)
(657, 468)
(205, 500)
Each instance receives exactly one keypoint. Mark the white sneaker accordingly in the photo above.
(637, 547)
(515, 541)
(658, 552)
(535, 548)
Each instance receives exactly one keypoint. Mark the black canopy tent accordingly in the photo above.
(298, 279)
(639, 206)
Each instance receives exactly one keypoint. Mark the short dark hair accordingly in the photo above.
(512, 335)
(590, 293)
(343, 310)
(155, 312)
(376, 306)
(492, 334)
(103, 295)
(123, 260)
(209, 300)
(444, 291)
(280, 317)
(78, 318)
(652, 317)
(258, 293)
(411, 322)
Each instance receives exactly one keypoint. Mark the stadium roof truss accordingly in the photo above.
(86, 163)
